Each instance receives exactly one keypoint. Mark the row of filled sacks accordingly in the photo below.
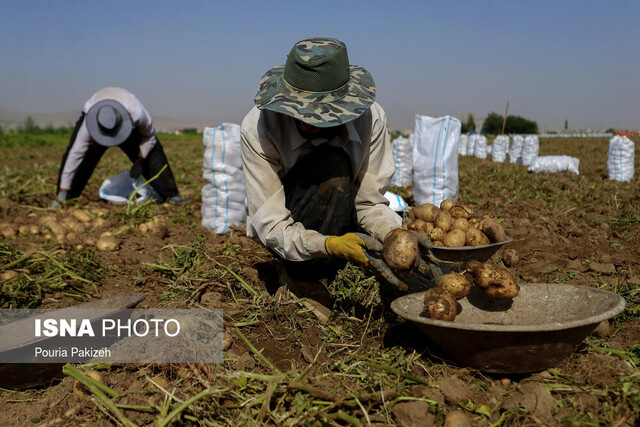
(521, 150)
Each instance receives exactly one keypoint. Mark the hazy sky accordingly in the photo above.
(202, 60)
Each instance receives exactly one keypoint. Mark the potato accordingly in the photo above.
(455, 238)
(460, 224)
(159, 230)
(456, 284)
(400, 249)
(34, 229)
(89, 241)
(99, 223)
(8, 275)
(99, 212)
(107, 243)
(81, 216)
(443, 220)
(52, 224)
(459, 212)
(418, 224)
(510, 257)
(457, 419)
(9, 231)
(437, 243)
(476, 237)
(474, 223)
(426, 212)
(440, 304)
(447, 204)
(494, 281)
(80, 390)
(72, 238)
(72, 225)
(436, 234)
(494, 231)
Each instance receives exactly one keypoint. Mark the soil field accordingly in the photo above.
(282, 365)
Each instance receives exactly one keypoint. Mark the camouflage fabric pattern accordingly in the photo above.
(322, 109)
(316, 48)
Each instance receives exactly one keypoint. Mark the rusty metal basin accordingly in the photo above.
(534, 331)
(466, 253)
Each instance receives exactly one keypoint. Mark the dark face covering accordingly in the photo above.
(312, 132)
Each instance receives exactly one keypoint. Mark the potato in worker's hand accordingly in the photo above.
(400, 249)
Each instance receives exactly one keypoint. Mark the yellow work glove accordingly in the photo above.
(352, 246)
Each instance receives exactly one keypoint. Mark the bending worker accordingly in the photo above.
(114, 116)
(317, 162)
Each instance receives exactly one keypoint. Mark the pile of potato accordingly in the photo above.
(453, 225)
(79, 228)
(495, 282)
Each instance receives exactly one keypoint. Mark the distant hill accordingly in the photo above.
(11, 119)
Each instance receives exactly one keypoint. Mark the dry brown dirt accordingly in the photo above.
(566, 228)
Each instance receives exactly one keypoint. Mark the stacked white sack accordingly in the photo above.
(223, 195)
(471, 143)
(402, 155)
(530, 149)
(499, 148)
(621, 158)
(435, 159)
(515, 150)
(480, 149)
(462, 144)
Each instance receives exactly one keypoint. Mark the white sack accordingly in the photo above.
(471, 144)
(118, 188)
(223, 195)
(435, 159)
(396, 202)
(462, 144)
(530, 149)
(480, 148)
(515, 150)
(555, 164)
(403, 158)
(499, 148)
(621, 158)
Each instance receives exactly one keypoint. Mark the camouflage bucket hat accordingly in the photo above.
(317, 85)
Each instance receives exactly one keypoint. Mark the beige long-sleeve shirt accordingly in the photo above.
(271, 146)
(139, 116)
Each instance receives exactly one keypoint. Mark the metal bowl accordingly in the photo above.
(532, 332)
(466, 253)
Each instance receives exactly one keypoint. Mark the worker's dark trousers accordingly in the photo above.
(164, 184)
(320, 193)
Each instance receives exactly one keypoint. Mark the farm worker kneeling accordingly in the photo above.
(114, 116)
(317, 161)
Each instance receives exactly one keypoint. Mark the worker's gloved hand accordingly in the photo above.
(59, 200)
(136, 170)
(423, 240)
(352, 246)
